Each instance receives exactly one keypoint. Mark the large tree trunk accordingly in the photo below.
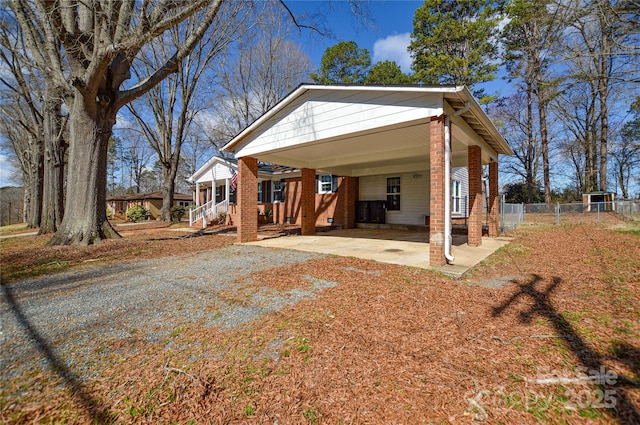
(531, 178)
(168, 188)
(85, 216)
(542, 116)
(604, 131)
(53, 193)
(35, 169)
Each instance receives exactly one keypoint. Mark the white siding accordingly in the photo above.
(414, 195)
(335, 114)
(219, 171)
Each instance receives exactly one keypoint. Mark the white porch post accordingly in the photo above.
(197, 194)
(226, 193)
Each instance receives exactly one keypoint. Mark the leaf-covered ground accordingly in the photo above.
(547, 330)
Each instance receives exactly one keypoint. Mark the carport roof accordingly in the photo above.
(388, 123)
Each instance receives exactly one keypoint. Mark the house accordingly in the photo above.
(152, 201)
(349, 149)
(216, 200)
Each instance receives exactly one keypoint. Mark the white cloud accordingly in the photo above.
(394, 48)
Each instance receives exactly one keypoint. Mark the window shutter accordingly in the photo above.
(334, 183)
(317, 183)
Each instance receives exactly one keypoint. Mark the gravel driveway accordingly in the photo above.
(56, 319)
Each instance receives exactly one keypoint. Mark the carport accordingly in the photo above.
(360, 131)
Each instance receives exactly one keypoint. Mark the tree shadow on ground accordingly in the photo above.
(99, 413)
(624, 411)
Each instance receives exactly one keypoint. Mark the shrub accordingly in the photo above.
(137, 213)
(222, 218)
(177, 212)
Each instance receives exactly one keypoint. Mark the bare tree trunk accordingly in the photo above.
(621, 182)
(168, 187)
(53, 193)
(544, 142)
(87, 176)
(604, 129)
(530, 146)
(35, 185)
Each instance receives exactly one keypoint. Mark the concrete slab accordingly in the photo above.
(405, 248)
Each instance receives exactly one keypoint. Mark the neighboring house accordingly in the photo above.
(351, 152)
(152, 201)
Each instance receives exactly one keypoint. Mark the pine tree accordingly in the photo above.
(454, 42)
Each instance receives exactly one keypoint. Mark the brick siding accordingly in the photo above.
(475, 196)
(493, 199)
(308, 202)
(247, 199)
(436, 200)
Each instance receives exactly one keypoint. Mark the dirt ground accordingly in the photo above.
(546, 330)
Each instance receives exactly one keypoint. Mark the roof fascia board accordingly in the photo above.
(470, 132)
(210, 164)
(464, 95)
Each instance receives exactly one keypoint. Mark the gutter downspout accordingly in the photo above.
(447, 180)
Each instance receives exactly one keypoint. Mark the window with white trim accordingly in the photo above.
(456, 197)
(393, 193)
(278, 191)
(326, 183)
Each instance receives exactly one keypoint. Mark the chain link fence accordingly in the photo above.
(512, 215)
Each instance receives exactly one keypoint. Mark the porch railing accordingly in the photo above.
(207, 212)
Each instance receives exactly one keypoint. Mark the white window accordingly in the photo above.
(393, 194)
(278, 191)
(456, 197)
(327, 184)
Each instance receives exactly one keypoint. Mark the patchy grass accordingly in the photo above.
(29, 256)
(15, 229)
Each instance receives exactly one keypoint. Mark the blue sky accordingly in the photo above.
(386, 37)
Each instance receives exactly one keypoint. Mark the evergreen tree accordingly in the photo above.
(454, 42)
(343, 63)
(387, 72)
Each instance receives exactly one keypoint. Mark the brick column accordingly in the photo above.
(475, 196)
(436, 199)
(350, 192)
(308, 202)
(247, 193)
(493, 199)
